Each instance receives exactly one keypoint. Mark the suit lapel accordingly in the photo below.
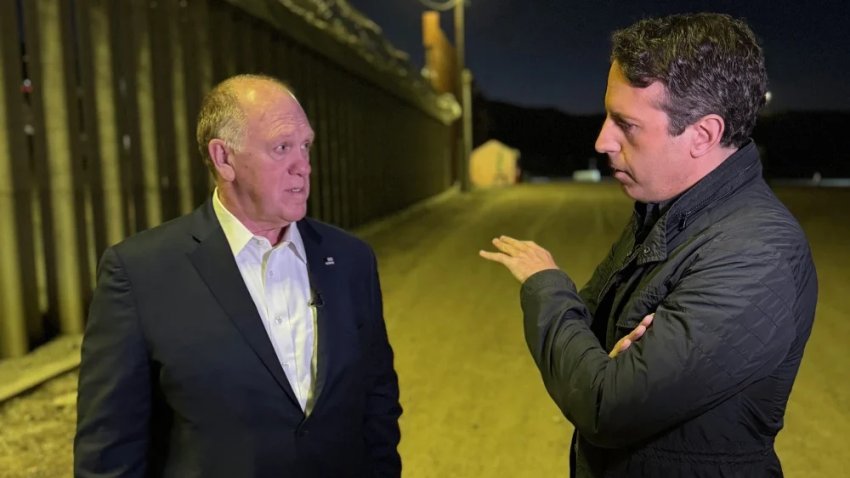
(321, 281)
(217, 267)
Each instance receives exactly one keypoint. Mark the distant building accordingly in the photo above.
(494, 164)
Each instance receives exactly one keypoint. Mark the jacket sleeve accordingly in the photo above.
(726, 323)
(113, 402)
(383, 409)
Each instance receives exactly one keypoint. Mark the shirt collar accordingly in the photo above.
(238, 236)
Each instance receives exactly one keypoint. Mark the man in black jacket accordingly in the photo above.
(711, 258)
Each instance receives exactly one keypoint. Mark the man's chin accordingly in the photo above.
(622, 176)
(295, 216)
(630, 191)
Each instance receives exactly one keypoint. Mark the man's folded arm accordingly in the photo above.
(724, 326)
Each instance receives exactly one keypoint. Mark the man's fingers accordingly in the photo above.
(621, 345)
(505, 247)
(509, 240)
(513, 246)
(638, 332)
(493, 256)
(632, 336)
(641, 327)
(518, 244)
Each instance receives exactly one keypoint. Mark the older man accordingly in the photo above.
(710, 251)
(241, 340)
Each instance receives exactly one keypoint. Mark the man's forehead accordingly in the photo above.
(260, 90)
(621, 95)
(286, 120)
(278, 101)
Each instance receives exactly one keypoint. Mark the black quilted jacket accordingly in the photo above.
(729, 274)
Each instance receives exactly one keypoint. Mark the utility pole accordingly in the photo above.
(462, 131)
(464, 98)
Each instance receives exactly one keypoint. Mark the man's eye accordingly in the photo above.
(626, 127)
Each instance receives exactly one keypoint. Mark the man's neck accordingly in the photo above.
(274, 233)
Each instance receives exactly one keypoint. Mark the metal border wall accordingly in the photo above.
(99, 144)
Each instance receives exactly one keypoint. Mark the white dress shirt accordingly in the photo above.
(278, 282)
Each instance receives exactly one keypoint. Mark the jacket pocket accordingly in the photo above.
(639, 306)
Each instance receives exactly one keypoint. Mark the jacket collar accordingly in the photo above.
(739, 169)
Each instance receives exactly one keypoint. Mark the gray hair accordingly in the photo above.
(222, 115)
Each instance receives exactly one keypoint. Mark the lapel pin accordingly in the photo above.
(329, 261)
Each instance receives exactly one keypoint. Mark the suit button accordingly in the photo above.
(303, 433)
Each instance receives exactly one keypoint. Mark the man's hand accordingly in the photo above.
(635, 334)
(522, 258)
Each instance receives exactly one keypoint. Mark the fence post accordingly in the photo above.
(108, 135)
(60, 170)
(182, 128)
(144, 96)
(13, 335)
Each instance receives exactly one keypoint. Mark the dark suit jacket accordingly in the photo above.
(179, 378)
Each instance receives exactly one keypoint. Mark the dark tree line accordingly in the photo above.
(794, 144)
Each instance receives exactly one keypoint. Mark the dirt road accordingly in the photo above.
(474, 403)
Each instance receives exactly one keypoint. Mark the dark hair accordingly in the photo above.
(709, 63)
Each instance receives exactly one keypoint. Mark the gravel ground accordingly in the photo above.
(37, 430)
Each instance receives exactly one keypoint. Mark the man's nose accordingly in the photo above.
(605, 142)
(301, 166)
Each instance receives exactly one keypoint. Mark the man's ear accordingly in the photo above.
(221, 159)
(708, 131)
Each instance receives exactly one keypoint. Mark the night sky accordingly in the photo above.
(554, 53)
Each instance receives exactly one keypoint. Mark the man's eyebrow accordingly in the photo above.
(616, 116)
